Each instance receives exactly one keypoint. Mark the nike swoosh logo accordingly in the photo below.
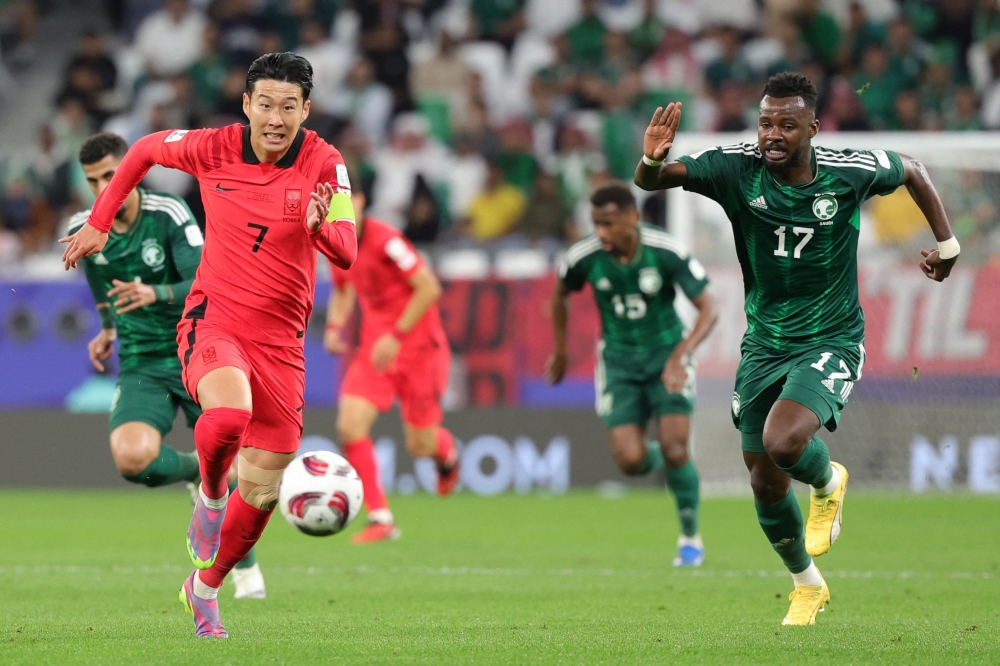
(220, 188)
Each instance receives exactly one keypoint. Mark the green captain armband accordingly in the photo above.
(341, 208)
(107, 318)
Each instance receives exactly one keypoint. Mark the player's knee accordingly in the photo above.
(264, 494)
(226, 424)
(349, 431)
(768, 487)
(132, 454)
(629, 462)
(675, 453)
(784, 446)
(421, 445)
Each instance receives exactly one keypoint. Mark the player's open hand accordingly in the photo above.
(131, 295)
(319, 206)
(675, 372)
(333, 341)
(662, 129)
(84, 243)
(385, 351)
(555, 368)
(100, 347)
(934, 266)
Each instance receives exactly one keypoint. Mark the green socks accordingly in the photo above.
(169, 467)
(813, 467)
(683, 482)
(653, 461)
(782, 524)
(251, 557)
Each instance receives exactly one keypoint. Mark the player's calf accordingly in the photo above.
(217, 436)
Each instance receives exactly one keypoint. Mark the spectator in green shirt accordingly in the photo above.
(877, 86)
(731, 65)
(820, 31)
(964, 113)
(645, 38)
(499, 20)
(586, 38)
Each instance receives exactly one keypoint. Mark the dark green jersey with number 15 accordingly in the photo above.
(161, 248)
(636, 300)
(797, 244)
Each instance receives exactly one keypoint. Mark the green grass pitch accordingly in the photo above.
(92, 577)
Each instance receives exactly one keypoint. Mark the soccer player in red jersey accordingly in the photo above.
(403, 354)
(274, 193)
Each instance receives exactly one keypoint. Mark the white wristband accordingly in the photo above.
(649, 162)
(949, 249)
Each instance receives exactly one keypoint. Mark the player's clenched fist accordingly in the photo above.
(101, 346)
(84, 243)
(659, 136)
(675, 373)
(934, 266)
(385, 351)
(555, 368)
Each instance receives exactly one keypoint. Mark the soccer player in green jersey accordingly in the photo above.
(139, 282)
(644, 363)
(795, 213)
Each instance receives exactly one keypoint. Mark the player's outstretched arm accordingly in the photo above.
(937, 264)
(675, 370)
(338, 311)
(555, 367)
(653, 171)
(330, 223)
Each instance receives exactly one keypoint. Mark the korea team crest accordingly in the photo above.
(293, 202)
(825, 207)
(650, 281)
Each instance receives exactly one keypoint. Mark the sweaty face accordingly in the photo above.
(99, 175)
(276, 110)
(614, 227)
(784, 131)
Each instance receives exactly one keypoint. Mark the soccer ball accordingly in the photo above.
(320, 493)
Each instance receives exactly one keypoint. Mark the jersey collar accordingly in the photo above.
(285, 162)
(815, 169)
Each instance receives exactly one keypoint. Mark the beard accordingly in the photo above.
(782, 169)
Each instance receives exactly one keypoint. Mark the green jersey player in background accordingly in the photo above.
(139, 282)
(794, 208)
(644, 363)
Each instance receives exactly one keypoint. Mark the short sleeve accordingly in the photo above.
(888, 175)
(713, 172)
(687, 273)
(573, 272)
(402, 255)
(182, 149)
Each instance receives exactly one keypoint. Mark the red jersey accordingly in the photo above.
(258, 268)
(386, 262)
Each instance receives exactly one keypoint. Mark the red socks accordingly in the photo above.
(241, 529)
(361, 455)
(446, 447)
(217, 437)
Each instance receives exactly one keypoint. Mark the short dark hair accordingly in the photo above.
(616, 193)
(286, 66)
(99, 146)
(792, 84)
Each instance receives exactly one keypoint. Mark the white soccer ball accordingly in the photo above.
(320, 493)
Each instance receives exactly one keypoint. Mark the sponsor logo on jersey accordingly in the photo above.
(220, 188)
(828, 383)
(736, 404)
(100, 259)
(153, 255)
(825, 207)
(759, 203)
(604, 284)
(650, 281)
(176, 135)
(293, 202)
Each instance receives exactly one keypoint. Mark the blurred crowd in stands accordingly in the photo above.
(475, 121)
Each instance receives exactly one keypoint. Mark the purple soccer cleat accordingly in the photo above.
(204, 535)
(205, 611)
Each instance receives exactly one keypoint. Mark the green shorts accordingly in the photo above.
(629, 386)
(820, 378)
(151, 394)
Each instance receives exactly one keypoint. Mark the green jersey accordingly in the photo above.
(636, 300)
(797, 244)
(162, 248)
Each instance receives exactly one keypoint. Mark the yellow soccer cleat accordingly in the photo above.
(807, 601)
(825, 516)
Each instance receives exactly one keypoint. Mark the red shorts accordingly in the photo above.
(277, 380)
(418, 379)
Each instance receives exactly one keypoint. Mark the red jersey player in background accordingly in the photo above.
(274, 193)
(403, 354)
